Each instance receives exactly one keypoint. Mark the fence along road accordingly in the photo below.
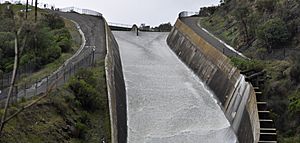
(92, 31)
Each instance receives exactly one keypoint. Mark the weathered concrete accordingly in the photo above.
(116, 89)
(237, 97)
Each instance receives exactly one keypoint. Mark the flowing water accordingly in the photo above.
(166, 102)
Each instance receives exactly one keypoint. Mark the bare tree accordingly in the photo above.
(26, 9)
(35, 12)
(13, 80)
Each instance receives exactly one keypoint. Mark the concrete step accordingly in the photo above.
(268, 137)
(268, 130)
(267, 141)
(258, 93)
(264, 114)
(262, 106)
(260, 98)
(266, 123)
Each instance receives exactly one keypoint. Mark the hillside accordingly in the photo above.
(51, 39)
(76, 113)
(268, 32)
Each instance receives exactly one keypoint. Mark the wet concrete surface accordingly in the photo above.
(166, 102)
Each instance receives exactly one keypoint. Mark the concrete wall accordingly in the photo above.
(116, 89)
(237, 97)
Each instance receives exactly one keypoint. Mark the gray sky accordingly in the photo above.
(151, 12)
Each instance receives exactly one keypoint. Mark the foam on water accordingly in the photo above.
(166, 102)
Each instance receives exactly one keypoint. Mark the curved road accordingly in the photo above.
(93, 29)
(166, 102)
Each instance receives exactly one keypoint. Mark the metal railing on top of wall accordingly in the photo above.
(81, 11)
(187, 14)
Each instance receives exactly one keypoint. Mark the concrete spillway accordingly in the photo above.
(166, 102)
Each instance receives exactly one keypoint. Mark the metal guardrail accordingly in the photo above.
(81, 11)
(119, 25)
(187, 14)
(83, 58)
(30, 89)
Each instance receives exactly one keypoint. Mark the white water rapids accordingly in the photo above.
(166, 101)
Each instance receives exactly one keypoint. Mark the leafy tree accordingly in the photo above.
(207, 11)
(273, 33)
(294, 106)
(266, 5)
(63, 38)
(241, 15)
(166, 27)
(8, 12)
(7, 25)
(295, 70)
(54, 21)
(1, 55)
(84, 88)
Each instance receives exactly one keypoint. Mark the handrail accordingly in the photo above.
(187, 14)
(119, 25)
(81, 11)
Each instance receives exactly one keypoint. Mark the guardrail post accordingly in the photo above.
(25, 89)
(56, 75)
(16, 100)
(47, 82)
(2, 82)
(93, 59)
(64, 75)
(35, 91)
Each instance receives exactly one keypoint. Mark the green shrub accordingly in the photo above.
(273, 33)
(63, 38)
(295, 70)
(54, 21)
(53, 54)
(87, 76)
(245, 65)
(85, 94)
(7, 25)
(25, 59)
(82, 129)
(294, 106)
(84, 118)
(85, 86)
(65, 45)
(265, 5)
(61, 34)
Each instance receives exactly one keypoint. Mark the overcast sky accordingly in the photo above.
(151, 12)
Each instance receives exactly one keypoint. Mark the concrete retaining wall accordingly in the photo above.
(236, 97)
(116, 89)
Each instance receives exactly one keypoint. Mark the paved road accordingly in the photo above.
(93, 29)
(166, 102)
(192, 22)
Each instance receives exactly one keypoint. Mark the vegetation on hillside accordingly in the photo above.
(268, 32)
(164, 27)
(76, 113)
(45, 41)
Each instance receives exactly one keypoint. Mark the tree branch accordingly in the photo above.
(32, 103)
